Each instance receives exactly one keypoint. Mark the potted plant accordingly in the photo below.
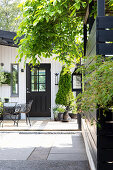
(6, 100)
(65, 95)
(73, 113)
(58, 112)
(5, 77)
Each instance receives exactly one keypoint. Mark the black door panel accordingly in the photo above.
(38, 88)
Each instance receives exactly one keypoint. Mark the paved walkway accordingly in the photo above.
(40, 124)
(33, 151)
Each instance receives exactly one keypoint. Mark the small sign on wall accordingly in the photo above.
(77, 82)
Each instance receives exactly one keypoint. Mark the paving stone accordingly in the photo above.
(68, 157)
(15, 153)
(44, 165)
(39, 154)
(67, 150)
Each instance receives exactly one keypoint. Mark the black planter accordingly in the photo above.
(60, 116)
(73, 116)
(1, 117)
(79, 121)
(6, 100)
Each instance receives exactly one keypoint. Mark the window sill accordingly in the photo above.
(14, 95)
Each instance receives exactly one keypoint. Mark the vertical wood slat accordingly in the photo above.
(91, 43)
(85, 38)
(100, 7)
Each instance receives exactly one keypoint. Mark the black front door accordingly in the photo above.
(38, 88)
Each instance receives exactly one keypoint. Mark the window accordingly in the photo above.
(38, 80)
(14, 80)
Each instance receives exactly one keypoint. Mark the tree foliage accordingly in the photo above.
(65, 95)
(50, 27)
(9, 11)
(98, 85)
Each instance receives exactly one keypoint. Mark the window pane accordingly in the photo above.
(42, 72)
(34, 79)
(34, 87)
(34, 71)
(14, 85)
(41, 79)
(42, 87)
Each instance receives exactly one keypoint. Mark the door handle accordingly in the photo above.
(28, 92)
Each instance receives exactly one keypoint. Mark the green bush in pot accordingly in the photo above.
(65, 95)
(58, 111)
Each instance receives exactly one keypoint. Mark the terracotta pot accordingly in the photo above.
(66, 117)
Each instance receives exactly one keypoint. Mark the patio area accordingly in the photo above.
(42, 151)
(40, 124)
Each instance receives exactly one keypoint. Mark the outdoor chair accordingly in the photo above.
(14, 111)
(8, 112)
(24, 108)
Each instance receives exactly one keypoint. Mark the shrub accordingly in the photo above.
(65, 95)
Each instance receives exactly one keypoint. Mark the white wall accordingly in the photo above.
(7, 56)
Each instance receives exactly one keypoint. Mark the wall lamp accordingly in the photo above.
(56, 78)
(2, 64)
(22, 70)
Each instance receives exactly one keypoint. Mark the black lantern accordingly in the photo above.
(56, 78)
(2, 64)
(76, 81)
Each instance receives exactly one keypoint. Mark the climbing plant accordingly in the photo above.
(51, 27)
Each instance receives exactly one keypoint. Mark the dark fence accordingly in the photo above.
(105, 140)
(99, 137)
(100, 41)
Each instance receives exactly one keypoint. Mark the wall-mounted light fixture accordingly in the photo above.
(22, 70)
(2, 64)
(76, 81)
(56, 78)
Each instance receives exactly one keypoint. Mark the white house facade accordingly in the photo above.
(31, 83)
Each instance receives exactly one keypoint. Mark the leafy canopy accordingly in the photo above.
(9, 12)
(50, 27)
